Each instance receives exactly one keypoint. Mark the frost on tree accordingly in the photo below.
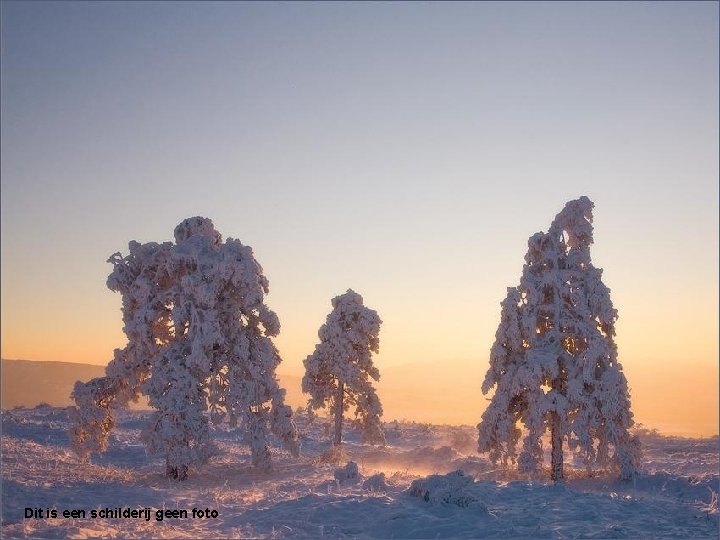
(554, 362)
(340, 371)
(199, 346)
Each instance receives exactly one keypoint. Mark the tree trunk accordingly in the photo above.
(170, 471)
(176, 473)
(559, 385)
(557, 449)
(339, 413)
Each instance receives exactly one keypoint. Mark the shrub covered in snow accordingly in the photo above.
(340, 371)
(554, 361)
(199, 346)
(348, 474)
(376, 482)
(443, 489)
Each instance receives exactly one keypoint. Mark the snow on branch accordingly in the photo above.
(554, 362)
(340, 371)
(199, 346)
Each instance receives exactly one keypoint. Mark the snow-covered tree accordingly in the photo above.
(554, 362)
(199, 346)
(340, 371)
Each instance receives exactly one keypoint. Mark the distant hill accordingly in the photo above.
(27, 383)
(421, 392)
(435, 392)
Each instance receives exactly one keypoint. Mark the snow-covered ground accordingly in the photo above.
(309, 497)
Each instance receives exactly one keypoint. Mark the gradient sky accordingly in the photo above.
(405, 150)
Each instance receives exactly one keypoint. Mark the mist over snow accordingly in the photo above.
(407, 489)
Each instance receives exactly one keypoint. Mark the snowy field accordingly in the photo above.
(674, 497)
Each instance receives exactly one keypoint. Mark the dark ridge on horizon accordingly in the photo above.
(27, 383)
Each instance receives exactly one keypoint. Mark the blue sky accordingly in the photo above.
(406, 150)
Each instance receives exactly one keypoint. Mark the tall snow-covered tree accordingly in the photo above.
(340, 371)
(199, 346)
(554, 362)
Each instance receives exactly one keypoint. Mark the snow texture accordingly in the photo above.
(452, 488)
(199, 346)
(671, 496)
(340, 371)
(554, 362)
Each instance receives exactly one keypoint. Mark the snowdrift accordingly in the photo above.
(418, 486)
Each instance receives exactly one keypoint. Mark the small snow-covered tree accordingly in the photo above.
(554, 362)
(199, 346)
(340, 371)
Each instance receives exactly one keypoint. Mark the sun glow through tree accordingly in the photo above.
(554, 362)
